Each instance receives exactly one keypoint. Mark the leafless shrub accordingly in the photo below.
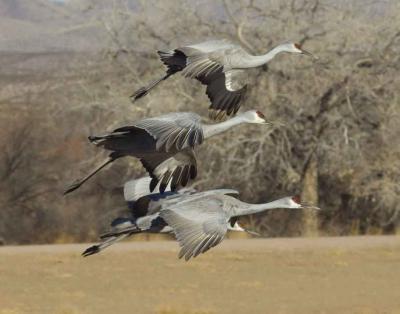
(337, 141)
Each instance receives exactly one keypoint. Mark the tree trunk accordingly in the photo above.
(309, 194)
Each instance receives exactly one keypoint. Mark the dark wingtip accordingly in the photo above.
(163, 187)
(91, 250)
(193, 172)
(153, 184)
(173, 186)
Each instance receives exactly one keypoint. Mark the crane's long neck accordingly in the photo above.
(256, 61)
(248, 209)
(214, 129)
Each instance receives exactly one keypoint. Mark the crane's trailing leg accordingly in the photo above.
(174, 60)
(126, 231)
(145, 89)
(78, 183)
(117, 235)
(100, 247)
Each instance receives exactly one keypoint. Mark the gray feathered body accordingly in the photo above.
(218, 64)
(163, 144)
(146, 213)
(169, 133)
(221, 66)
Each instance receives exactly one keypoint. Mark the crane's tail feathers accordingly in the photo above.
(104, 140)
(165, 56)
(95, 139)
(100, 140)
(79, 182)
(175, 61)
(145, 89)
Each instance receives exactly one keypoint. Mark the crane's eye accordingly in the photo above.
(296, 199)
(260, 114)
(298, 46)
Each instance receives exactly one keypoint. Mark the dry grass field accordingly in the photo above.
(314, 275)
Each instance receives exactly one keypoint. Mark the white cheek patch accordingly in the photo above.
(294, 204)
(258, 119)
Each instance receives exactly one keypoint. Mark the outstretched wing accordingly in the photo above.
(206, 58)
(198, 225)
(172, 132)
(179, 168)
(226, 91)
(143, 202)
(211, 63)
(137, 188)
(208, 46)
(190, 195)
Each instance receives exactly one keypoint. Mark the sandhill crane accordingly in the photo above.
(144, 206)
(118, 235)
(200, 221)
(144, 202)
(165, 145)
(219, 64)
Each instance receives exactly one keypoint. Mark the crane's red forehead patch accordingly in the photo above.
(298, 46)
(260, 114)
(296, 199)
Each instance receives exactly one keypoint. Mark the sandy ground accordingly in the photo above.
(315, 275)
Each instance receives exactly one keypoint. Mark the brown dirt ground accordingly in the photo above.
(313, 275)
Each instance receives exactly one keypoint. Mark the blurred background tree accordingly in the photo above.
(338, 143)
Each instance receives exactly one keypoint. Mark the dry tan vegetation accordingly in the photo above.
(326, 275)
(338, 145)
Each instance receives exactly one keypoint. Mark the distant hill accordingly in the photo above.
(73, 25)
(44, 25)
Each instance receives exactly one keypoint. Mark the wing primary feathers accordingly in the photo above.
(193, 172)
(153, 183)
(164, 181)
(185, 175)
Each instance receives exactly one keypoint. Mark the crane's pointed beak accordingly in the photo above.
(253, 233)
(275, 123)
(278, 123)
(307, 53)
(309, 206)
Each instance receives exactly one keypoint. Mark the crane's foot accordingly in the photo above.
(72, 187)
(91, 250)
(138, 94)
